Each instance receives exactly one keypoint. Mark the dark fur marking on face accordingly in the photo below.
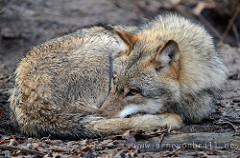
(134, 114)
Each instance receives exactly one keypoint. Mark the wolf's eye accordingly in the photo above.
(133, 92)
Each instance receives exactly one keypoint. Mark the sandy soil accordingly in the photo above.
(28, 23)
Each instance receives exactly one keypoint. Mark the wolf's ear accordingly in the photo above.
(127, 41)
(167, 54)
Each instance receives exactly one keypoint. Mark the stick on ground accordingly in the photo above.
(15, 148)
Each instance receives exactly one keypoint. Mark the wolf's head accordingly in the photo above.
(144, 77)
(170, 66)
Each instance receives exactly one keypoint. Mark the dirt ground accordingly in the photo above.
(25, 24)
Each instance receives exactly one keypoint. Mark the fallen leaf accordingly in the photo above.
(15, 153)
(13, 137)
(85, 149)
(4, 142)
(211, 154)
(1, 111)
(74, 152)
(50, 154)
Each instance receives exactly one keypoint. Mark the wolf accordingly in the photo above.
(105, 79)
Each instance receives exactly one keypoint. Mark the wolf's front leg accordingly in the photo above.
(140, 122)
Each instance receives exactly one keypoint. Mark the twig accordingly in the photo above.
(1, 11)
(45, 138)
(13, 148)
(227, 122)
(210, 27)
(236, 34)
(161, 138)
(232, 120)
(230, 23)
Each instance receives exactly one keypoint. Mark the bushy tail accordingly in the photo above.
(43, 122)
(76, 126)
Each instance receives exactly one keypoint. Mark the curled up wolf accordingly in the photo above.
(104, 80)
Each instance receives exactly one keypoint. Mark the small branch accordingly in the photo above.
(13, 148)
(161, 137)
(230, 23)
(236, 34)
(1, 11)
(209, 26)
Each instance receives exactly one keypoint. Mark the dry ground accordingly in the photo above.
(28, 23)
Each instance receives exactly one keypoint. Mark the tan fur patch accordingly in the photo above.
(174, 69)
(129, 39)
